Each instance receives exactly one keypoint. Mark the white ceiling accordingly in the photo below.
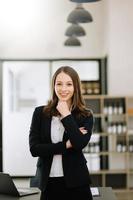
(36, 28)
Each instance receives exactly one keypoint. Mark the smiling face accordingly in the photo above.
(64, 87)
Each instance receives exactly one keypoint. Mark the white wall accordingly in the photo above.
(110, 33)
(0, 88)
(36, 29)
(120, 47)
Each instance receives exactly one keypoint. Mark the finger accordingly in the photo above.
(84, 131)
(81, 128)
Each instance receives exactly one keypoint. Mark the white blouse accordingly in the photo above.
(57, 130)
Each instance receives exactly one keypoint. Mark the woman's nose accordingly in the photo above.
(63, 88)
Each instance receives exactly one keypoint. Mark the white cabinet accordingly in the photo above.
(87, 69)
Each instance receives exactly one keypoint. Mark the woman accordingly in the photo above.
(59, 131)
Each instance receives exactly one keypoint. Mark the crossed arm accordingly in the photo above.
(78, 137)
(82, 130)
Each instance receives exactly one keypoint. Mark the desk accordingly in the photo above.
(29, 197)
(106, 193)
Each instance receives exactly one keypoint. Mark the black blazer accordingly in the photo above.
(74, 163)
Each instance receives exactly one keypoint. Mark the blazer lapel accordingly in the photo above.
(47, 128)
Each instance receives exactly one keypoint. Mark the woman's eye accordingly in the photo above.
(58, 83)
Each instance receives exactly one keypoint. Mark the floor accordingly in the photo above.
(24, 182)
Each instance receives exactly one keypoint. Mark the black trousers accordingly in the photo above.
(56, 189)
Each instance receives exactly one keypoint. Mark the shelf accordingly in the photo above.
(113, 128)
(120, 171)
(116, 181)
(97, 115)
(130, 171)
(107, 153)
(130, 153)
(102, 96)
(130, 132)
(130, 115)
(110, 134)
(92, 96)
(114, 115)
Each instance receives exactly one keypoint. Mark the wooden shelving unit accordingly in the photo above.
(110, 151)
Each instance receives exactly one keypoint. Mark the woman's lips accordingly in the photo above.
(63, 95)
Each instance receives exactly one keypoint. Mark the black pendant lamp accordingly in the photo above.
(79, 15)
(84, 1)
(75, 30)
(72, 41)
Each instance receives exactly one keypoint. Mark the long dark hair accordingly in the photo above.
(78, 104)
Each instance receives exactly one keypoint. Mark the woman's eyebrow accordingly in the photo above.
(66, 81)
(69, 81)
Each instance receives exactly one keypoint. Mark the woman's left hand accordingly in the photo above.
(83, 130)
